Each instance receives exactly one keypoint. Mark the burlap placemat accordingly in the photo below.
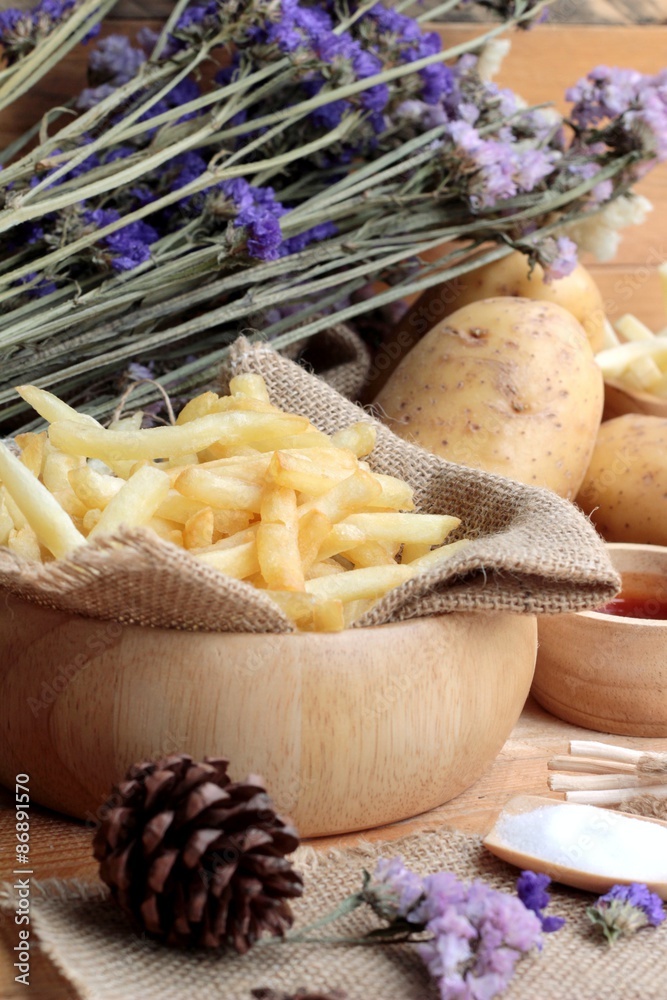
(90, 943)
(530, 552)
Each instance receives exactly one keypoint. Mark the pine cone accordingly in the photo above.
(195, 858)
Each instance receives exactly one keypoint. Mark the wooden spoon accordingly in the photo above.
(579, 878)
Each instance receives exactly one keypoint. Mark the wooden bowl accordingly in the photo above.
(350, 730)
(618, 399)
(604, 672)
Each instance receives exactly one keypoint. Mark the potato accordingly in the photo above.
(625, 488)
(577, 293)
(508, 385)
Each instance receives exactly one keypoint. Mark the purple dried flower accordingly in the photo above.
(531, 888)
(479, 934)
(258, 212)
(128, 247)
(557, 256)
(9, 20)
(393, 891)
(625, 909)
(114, 61)
(314, 235)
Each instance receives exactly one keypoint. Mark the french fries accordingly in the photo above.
(249, 491)
(637, 358)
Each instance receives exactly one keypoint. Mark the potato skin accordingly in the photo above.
(510, 275)
(625, 487)
(508, 385)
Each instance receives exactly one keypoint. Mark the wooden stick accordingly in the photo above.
(643, 760)
(589, 765)
(591, 782)
(605, 751)
(615, 796)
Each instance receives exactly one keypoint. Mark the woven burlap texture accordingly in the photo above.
(92, 945)
(530, 551)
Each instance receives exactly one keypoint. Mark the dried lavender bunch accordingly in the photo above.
(334, 148)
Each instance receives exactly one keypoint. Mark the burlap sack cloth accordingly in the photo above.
(92, 945)
(531, 551)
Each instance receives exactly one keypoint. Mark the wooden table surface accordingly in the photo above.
(541, 65)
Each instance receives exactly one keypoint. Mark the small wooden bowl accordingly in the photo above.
(604, 672)
(350, 730)
(618, 399)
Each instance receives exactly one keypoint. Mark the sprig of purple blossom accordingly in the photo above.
(626, 909)
(478, 934)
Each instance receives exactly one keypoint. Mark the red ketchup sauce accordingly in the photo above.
(643, 595)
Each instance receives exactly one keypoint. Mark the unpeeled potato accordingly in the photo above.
(508, 385)
(625, 487)
(511, 275)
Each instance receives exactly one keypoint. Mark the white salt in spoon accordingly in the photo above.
(583, 846)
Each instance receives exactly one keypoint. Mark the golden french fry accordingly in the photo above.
(279, 504)
(306, 439)
(438, 555)
(314, 528)
(50, 407)
(232, 541)
(631, 328)
(236, 427)
(33, 447)
(352, 610)
(358, 438)
(70, 503)
(179, 463)
(219, 491)
(166, 530)
(92, 488)
(240, 402)
(129, 423)
(324, 567)
(41, 510)
(431, 529)
(198, 530)
(357, 584)
(278, 555)
(341, 537)
(240, 561)
(394, 493)
(90, 519)
(200, 406)
(230, 522)
(250, 468)
(296, 604)
(57, 467)
(414, 550)
(249, 385)
(312, 471)
(360, 489)
(6, 523)
(329, 616)
(370, 554)
(135, 503)
(17, 517)
(23, 542)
